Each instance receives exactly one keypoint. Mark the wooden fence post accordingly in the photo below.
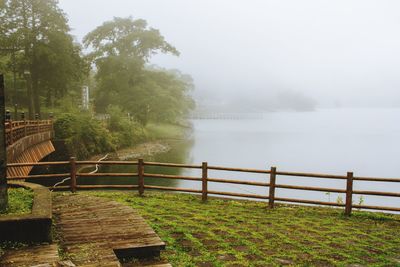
(12, 140)
(72, 162)
(141, 176)
(204, 177)
(272, 183)
(349, 194)
(37, 123)
(25, 128)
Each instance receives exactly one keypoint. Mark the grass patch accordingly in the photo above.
(20, 201)
(165, 131)
(246, 233)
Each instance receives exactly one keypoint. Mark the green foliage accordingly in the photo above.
(121, 49)
(83, 135)
(246, 233)
(127, 37)
(20, 201)
(125, 132)
(35, 36)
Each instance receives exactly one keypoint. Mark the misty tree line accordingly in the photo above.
(45, 67)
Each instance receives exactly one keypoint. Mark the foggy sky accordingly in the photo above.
(335, 51)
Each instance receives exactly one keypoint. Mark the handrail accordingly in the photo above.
(270, 182)
(16, 130)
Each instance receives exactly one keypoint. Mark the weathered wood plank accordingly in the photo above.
(43, 254)
(96, 230)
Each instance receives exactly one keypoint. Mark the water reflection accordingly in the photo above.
(325, 141)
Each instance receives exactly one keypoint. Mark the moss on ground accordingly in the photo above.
(20, 201)
(246, 233)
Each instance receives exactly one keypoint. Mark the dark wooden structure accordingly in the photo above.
(271, 182)
(3, 154)
(98, 232)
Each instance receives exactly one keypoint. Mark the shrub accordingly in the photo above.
(83, 135)
(125, 131)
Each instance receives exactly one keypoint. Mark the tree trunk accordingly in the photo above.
(3, 154)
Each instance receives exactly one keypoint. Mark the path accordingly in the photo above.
(96, 230)
(93, 231)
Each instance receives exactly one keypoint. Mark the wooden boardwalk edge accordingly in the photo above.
(92, 231)
(97, 230)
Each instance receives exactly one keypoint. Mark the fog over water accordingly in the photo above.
(324, 74)
(327, 141)
(337, 53)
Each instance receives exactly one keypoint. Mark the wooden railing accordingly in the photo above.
(16, 130)
(271, 182)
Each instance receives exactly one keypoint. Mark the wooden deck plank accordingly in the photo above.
(93, 229)
(43, 254)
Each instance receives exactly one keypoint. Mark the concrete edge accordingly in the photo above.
(33, 227)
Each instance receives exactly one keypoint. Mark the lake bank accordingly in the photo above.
(161, 138)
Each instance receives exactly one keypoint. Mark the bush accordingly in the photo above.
(125, 132)
(83, 135)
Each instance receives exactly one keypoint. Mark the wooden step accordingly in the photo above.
(90, 227)
(31, 256)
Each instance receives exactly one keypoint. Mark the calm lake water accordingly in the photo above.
(331, 141)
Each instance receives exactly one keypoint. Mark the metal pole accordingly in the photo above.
(3, 150)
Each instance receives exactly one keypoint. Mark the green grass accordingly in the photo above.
(20, 201)
(245, 233)
(156, 131)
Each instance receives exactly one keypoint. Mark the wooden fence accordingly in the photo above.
(16, 130)
(271, 182)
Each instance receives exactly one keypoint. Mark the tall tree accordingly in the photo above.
(121, 49)
(128, 38)
(39, 28)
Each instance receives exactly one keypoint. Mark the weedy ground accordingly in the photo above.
(246, 233)
(19, 201)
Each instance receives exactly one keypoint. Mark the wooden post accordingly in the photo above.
(11, 132)
(25, 127)
(37, 123)
(3, 153)
(349, 194)
(204, 177)
(72, 162)
(272, 182)
(141, 176)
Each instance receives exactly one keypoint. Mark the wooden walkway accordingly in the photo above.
(93, 232)
(97, 231)
(44, 255)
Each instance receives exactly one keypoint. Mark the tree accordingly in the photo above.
(39, 28)
(121, 49)
(127, 37)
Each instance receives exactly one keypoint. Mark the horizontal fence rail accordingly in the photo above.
(271, 182)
